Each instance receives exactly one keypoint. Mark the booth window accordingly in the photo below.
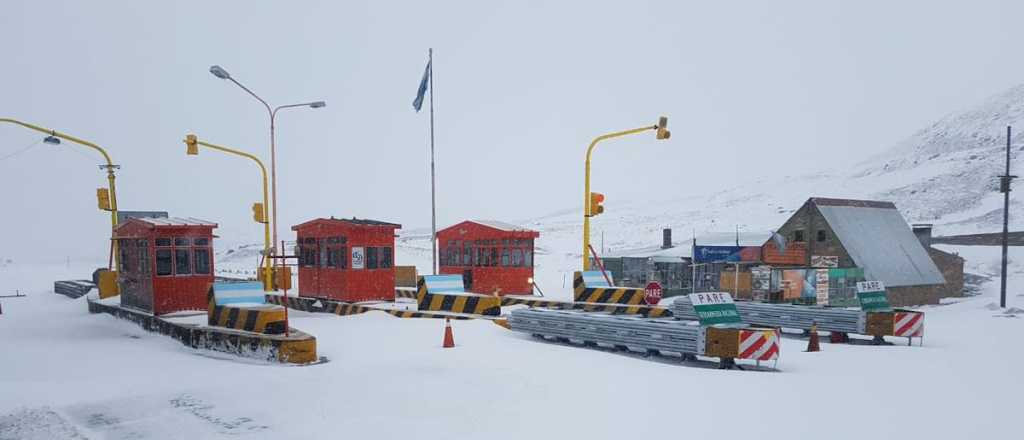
(371, 258)
(385, 257)
(142, 246)
(466, 255)
(182, 261)
(517, 257)
(181, 241)
(164, 265)
(202, 256)
(505, 256)
(307, 252)
(125, 246)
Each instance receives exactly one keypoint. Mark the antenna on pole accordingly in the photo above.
(1004, 187)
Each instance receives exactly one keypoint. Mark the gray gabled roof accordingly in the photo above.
(879, 240)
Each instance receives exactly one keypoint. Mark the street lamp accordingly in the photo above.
(219, 72)
(594, 199)
(259, 209)
(107, 197)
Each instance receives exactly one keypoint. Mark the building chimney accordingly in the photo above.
(923, 231)
(666, 238)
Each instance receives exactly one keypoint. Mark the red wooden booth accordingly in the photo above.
(490, 255)
(346, 259)
(166, 263)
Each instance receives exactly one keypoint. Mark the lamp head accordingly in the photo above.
(318, 104)
(192, 145)
(662, 127)
(219, 72)
(52, 140)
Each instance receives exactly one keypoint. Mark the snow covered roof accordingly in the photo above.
(175, 221)
(878, 239)
(499, 225)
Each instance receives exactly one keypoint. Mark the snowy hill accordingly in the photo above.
(942, 174)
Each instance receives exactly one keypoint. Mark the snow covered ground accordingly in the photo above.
(67, 374)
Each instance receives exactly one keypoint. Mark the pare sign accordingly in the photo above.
(652, 293)
(715, 308)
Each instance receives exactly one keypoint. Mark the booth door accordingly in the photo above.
(467, 279)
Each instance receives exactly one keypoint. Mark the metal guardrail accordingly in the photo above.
(634, 332)
(788, 316)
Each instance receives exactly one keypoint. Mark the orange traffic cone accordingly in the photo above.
(814, 344)
(449, 340)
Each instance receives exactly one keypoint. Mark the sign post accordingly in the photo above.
(872, 296)
(652, 293)
(715, 308)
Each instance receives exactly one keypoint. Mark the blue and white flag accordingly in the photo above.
(418, 102)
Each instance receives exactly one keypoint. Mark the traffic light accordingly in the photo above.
(663, 132)
(103, 199)
(192, 144)
(596, 200)
(258, 213)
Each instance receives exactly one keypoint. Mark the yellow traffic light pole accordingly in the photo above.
(110, 167)
(662, 129)
(260, 214)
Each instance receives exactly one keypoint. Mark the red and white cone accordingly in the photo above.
(449, 339)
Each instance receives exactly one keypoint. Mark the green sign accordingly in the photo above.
(715, 308)
(872, 296)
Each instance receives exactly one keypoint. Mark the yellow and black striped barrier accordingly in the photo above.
(345, 309)
(455, 302)
(297, 303)
(534, 302)
(267, 318)
(405, 292)
(632, 296)
(416, 314)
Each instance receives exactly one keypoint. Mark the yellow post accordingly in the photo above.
(192, 142)
(663, 133)
(110, 167)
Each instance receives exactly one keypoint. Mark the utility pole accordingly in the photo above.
(1004, 187)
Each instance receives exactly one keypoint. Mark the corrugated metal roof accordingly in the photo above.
(879, 240)
(176, 221)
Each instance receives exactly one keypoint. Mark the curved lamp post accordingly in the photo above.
(219, 72)
(53, 137)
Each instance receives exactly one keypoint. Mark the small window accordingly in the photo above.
(143, 256)
(517, 257)
(528, 258)
(798, 235)
(202, 261)
(164, 264)
(822, 235)
(124, 247)
(371, 258)
(494, 257)
(201, 241)
(467, 259)
(385, 257)
(505, 257)
(182, 241)
(182, 262)
(163, 242)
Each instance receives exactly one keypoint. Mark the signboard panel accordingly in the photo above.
(872, 296)
(358, 257)
(715, 308)
(821, 286)
(734, 254)
(824, 261)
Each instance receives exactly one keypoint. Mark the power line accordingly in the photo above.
(29, 147)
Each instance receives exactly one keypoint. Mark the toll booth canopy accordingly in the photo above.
(166, 264)
(346, 259)
(491, 256)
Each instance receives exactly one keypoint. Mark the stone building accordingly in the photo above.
(950, 264)
(868, 234)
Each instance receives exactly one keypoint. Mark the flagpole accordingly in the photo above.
(433, 194)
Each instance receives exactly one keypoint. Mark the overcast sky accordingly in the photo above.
(750, 88)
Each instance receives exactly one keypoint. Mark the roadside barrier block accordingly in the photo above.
(243, 306)
(446, 293)
(592, 287)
